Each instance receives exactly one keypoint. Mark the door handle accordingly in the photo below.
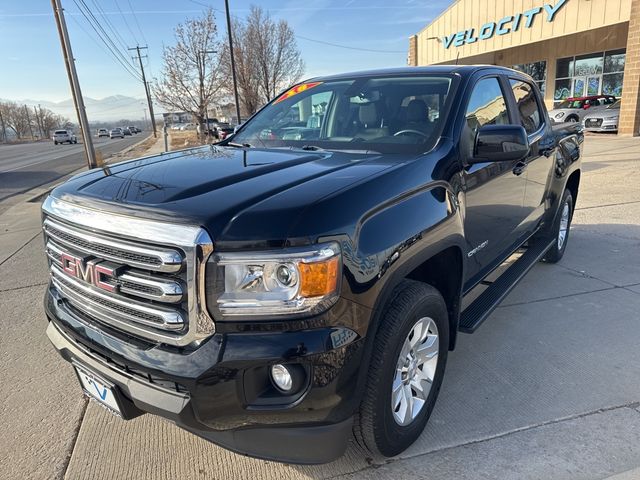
(519, 168)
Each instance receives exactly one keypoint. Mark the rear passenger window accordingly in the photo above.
(527, 105)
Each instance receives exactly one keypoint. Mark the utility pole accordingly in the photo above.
(233, 62)
(4, 130)
(203, 54)
(137, 48)
(26, 110)
(69, 62)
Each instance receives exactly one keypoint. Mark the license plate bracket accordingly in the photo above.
(100, 390)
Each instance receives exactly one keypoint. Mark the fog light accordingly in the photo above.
(281, 377)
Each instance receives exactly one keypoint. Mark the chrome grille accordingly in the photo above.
(109, 268)
(164, 260)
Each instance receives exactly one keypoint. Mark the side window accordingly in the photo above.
(487, 105)
(527, 105)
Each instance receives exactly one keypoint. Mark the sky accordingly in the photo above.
(31, 65)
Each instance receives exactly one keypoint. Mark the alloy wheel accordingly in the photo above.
(415, 371)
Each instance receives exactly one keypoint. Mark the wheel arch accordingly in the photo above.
(573, 184)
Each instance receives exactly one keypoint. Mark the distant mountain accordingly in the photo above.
(112, 108)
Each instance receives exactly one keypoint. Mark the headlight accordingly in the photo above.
(611, 118)
(291, 281)
(559, 115)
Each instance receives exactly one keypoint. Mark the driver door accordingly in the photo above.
(494, 191)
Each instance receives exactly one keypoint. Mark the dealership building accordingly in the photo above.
(571, 48)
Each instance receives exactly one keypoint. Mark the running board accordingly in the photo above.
(480, 309)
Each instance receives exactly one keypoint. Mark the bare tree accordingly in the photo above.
(246, 69)
(190, 75)
(279, 61)
(50, 121)
(267, 58)
(16, 118)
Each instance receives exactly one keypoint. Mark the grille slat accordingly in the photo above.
(133, 283)
(151, 258)
(143, 277)
(112, 308)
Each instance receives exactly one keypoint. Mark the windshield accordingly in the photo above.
(571, 104)
(385, 114)
(615, 105)
(60, 132)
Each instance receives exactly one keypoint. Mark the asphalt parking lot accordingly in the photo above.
(549, 386)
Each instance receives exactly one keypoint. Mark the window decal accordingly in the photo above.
(296, 90)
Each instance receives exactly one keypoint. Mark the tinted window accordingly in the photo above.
(487, 105)
(527, 105)
(385, 114)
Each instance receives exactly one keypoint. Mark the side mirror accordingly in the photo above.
(500, 143)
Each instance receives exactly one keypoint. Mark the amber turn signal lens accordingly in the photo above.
(320, 278)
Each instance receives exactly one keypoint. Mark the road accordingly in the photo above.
(30, 165)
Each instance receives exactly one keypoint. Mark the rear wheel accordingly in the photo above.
(406, 370)
(572, 119)
(560, 230)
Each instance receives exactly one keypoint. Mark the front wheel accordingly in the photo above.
(560, 230)
(406, 370)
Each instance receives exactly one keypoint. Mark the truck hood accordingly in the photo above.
(239, 195)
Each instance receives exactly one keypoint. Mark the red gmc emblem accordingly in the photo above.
(91, 272)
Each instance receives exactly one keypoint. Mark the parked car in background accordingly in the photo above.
(116, 133)
(133, 129)
(224, 132)
(103, 132)
(126, 131)
(64, 136)
(575, 108)
(603, 119)
(177, 126)
(188, 126)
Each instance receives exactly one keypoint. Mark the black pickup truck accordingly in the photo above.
(306, 277)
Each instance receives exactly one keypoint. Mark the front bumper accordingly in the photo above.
(605, 126)
(211, 392)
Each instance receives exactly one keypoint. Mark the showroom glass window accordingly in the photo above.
(613, 72)
(592, 74)
(536, 70)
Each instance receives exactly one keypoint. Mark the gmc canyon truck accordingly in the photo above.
(305, 278)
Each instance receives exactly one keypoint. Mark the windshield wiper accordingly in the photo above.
(311, 147)
(238, 145)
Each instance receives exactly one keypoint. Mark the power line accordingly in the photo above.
(105, 38)
(322, 42)
(126, 23)
(337, 45)
(135, 18)
(110, 25)
(92, 37)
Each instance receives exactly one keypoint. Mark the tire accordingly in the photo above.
(378, 427)
(55, 143)
(562, 224)
(572, 119)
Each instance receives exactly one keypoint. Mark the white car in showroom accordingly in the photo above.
(603, 120)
